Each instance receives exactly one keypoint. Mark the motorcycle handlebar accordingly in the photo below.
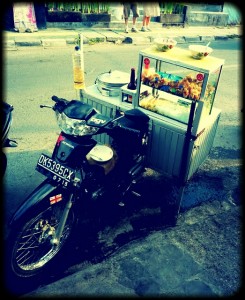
(59, 103)
(57, 99)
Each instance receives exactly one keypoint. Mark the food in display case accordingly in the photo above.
(189, 87)
(171, 93)
(186, 88)
(176, 78)
(175, 109)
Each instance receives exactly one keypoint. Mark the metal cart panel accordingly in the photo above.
(165, 148)
(203, 144)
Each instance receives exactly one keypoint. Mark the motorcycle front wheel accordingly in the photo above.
(30, 250)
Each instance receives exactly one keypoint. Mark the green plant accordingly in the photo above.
(171, 8)
(84, 7)
(166, 7)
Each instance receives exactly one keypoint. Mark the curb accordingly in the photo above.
(93, 38)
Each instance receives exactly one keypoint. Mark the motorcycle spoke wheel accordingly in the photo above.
(33, 248)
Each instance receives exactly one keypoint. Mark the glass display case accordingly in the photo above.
(172, 84)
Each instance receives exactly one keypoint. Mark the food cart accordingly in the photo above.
(177, 92)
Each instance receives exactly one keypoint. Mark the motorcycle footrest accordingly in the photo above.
(136, 171)
(10, 143)
(136, 194)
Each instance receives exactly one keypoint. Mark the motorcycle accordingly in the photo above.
(7, 119)
(80, 170)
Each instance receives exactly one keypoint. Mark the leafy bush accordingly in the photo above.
(171, 8)
(84, 7)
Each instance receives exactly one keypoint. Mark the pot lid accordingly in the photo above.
(101, 153)
(114, 78)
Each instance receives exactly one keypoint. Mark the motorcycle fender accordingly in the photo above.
(37, 197)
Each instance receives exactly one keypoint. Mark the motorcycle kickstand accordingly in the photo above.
(121, 203)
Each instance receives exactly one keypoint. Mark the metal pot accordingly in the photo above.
(110, 83)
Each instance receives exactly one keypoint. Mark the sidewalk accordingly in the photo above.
(201, 257)
(55, 37)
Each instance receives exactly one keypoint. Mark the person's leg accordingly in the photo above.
(134, 21)
(126, 25)
(126, 13)
(135, 16)
(148, 19)
(144, 24)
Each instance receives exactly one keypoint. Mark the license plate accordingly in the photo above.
(54, 170)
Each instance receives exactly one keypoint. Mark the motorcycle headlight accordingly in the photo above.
(74, 126)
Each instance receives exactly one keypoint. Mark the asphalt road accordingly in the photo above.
(32, 76)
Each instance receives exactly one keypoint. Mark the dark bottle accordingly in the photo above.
(132, 83)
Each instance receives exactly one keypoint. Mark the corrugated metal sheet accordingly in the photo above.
(203, 145)
(165, 149)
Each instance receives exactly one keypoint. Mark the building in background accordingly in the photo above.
(199, 14)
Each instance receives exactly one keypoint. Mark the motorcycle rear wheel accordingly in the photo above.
(30, 251)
